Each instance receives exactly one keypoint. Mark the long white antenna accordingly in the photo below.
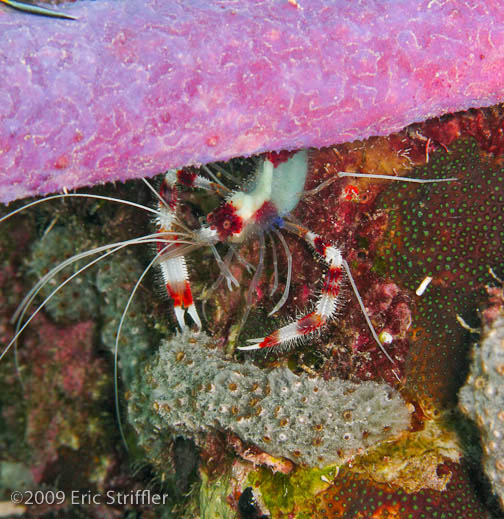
(366, 317)
(392, 177)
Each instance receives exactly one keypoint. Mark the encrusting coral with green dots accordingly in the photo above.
(451, 233)
(193, 389)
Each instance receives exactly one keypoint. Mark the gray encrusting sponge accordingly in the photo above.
(191, 388)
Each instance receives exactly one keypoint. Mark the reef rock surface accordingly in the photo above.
(482, 399)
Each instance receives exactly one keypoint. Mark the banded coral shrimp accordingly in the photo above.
(223, 219)
(262, 209)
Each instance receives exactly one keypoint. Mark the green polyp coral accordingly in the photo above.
(62, 413)
(135, 334)
(100, 292)
(451, 233)
(192, 389)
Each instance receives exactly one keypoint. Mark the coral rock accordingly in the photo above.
(482, 399)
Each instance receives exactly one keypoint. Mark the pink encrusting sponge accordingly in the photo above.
(135, 87)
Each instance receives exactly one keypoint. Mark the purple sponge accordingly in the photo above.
(138, 86)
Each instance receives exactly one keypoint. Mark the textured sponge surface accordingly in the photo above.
(194, 389)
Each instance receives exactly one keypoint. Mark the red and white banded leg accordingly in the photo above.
(189, 178)
(173, 266)
(172, 263)
(325, 308)
(174, 272)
